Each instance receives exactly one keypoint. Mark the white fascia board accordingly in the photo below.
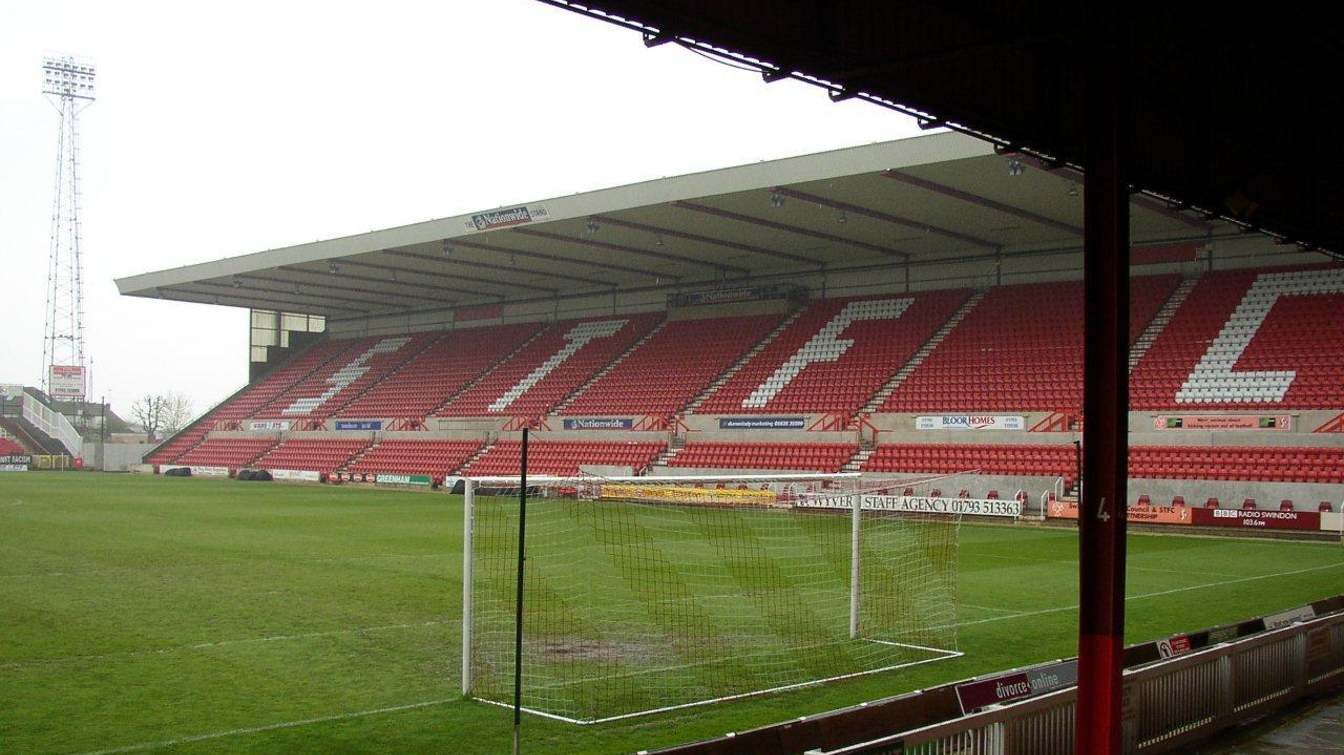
(868, 158)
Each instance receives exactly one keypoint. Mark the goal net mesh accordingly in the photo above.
(646, 595)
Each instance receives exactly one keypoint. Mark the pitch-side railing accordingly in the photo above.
(1167, 704)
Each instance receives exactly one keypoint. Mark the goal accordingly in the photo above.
(648, 594)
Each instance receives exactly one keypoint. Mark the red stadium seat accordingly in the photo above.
(836, 355)
(1273, 339)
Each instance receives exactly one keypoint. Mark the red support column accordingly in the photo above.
(1101, 520)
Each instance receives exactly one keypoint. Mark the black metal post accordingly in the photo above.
(518, 610)
(1078, 469)
(1101, 510)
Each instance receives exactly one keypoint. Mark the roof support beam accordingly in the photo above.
(1147, 203)
(489, 266)
(289, 291)
(627, 249)
(444, 276)
(885, 217)
(675, 234)
(822, 235)
(270, 302)
(381, 281)
(527, 254)
(979, 201)
(325, 286)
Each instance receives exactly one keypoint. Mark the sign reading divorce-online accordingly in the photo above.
(1016, 685)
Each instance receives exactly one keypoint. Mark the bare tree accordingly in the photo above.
(148, 413)
(176, 413)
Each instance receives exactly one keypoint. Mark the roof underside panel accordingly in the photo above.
(1227, 113)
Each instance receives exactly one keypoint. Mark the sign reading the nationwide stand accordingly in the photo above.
(916, 504)
(762, 423)
(971, 422)
(268, 424)
(67, 382)
(1282, 422)
(485, 221)
(368, 424)
(422, 480)
(1016, 685)
(598, 423)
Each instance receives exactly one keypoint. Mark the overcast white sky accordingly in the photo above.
(235, 127)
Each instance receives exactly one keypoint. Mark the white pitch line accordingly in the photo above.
(1140, 596)
(223, 643)
(1129, 566)
(270, 727)
(988, 608)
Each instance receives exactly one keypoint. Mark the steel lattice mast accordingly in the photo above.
(69, 85)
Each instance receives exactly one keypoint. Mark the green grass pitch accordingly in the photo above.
(208, 615)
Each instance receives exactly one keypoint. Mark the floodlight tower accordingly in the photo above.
(68, 84)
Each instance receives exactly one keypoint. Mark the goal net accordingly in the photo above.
(646, 594)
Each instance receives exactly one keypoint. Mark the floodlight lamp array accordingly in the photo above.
(68, 77)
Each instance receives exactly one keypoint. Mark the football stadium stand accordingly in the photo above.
(441, 371)
(672, 367)
(324, 455)
(231, 452)
(819, 457)
(361, 364)
(10, 446)
(434, 457)
(279, 381)
(1254, 464)
(1020, 349)
(564, 457)
(1250, 339)
(1034, 460)
(544, 372)
(836, 355)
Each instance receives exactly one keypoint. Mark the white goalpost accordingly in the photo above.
(649, 594)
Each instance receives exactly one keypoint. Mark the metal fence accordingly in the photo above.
(1167, 704)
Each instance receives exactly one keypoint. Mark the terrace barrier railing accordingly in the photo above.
(1168, 704)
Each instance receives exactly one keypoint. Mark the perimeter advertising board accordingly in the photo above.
(762, 423)
(1016, 685)
(971, 422)
(266, 425)
(598, 423)
(367, 424)
(302, 475)
(915, 504)
(1256, 519)
(1139, 514)
(66, 382)
(418, 480)
(15, 462)
(1282, 422)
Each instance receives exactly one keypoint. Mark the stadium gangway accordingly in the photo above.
(1168, 704)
